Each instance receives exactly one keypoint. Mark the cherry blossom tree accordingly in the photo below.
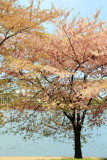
(66, 75)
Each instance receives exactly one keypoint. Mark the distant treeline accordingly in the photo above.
(5, 99)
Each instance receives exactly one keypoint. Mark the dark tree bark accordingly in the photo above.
(77, 142)
(77, 126)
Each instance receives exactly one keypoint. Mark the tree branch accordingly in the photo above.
(84, 112)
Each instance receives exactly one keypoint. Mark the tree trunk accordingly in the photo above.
(77, 142)
(77, 131)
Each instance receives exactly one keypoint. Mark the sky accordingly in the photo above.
(85, 7)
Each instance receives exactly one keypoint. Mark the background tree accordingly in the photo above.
(16, 19)
(15, 22)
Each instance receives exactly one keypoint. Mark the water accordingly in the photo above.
(14, 145)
